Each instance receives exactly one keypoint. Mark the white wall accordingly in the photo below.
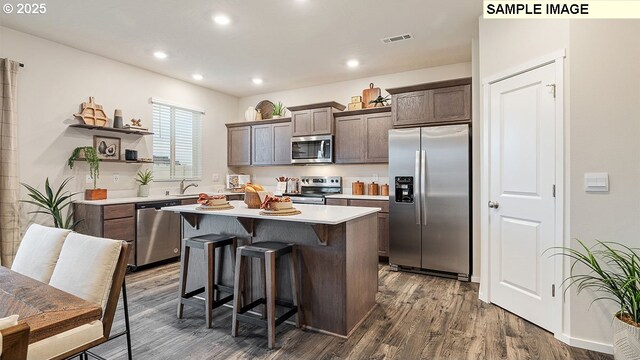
(605, 137)
(602, 128)
(57, 78)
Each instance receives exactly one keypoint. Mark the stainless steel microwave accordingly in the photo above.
(312, 149)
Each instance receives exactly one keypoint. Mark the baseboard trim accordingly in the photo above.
(586, 344)
(475, 279)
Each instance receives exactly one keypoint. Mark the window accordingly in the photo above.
(177, 148)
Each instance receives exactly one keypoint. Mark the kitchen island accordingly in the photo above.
(338, 256)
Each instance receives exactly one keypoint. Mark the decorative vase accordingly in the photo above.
(143, 190)
(95, 194)
(626, 340)
(117, 119)
(250, 114)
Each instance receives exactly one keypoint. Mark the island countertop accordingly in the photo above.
(311, 214)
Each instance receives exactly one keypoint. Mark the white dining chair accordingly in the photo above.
(38, 252)
(14, 339)
(93, 269)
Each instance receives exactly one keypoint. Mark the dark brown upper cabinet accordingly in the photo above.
(282, 144)
(239, 146)
(259, 143)
(432, 103)
(349, 141)
(362, 136)
(314, 119)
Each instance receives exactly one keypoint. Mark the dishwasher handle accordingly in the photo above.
(156, 205)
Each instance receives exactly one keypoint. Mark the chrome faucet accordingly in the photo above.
(184, 188)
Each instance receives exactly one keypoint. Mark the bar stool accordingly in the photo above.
(267, 252)
(209, 244)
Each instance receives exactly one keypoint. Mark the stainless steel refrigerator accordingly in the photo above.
(429, 204)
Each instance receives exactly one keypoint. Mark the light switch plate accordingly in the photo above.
(215, 177)
(596, 182)
(88, 179)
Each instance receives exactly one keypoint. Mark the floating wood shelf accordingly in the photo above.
(104, 128)
(122, 161)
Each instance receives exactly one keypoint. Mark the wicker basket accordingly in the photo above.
(252, 199)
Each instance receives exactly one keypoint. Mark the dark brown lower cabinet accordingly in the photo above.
(116, 222)
(383, 219)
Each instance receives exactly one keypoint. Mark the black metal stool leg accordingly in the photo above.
(126, 318)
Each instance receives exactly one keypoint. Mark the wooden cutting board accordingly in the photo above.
(370, 94)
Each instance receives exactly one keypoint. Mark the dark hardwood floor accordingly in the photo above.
(417, 317)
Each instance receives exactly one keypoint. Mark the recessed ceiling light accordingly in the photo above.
(353, 63)
(222, 19)
(257, 81)
(160, 55)
(197, 77)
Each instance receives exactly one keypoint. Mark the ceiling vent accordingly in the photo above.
(397, 38)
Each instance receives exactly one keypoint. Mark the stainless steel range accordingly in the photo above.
(314, 188)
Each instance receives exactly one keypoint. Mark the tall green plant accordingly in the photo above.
(91, 156)
(613, 271)
(53, 203)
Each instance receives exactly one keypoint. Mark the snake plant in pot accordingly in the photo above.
(613, 273)
(53, 202)
(90, 155)
(144, 178)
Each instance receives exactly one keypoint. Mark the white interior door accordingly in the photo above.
(522, 206)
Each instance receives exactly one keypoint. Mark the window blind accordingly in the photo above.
(177, 147)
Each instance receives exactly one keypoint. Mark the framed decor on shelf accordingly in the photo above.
(108, 148)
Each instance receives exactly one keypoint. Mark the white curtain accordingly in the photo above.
(9, 183)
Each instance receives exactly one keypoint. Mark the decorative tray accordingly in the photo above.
(226, 206)
(286, 212)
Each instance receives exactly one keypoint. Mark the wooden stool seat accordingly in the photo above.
(212, 287)
(267, 252)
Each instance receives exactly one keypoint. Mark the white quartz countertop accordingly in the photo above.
(138, 199)
(358, 197)
(312, 214)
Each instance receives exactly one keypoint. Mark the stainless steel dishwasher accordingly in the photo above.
(158, 232)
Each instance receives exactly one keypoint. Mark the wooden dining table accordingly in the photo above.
(47, 310)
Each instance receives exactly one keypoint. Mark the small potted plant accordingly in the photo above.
(278, 110)
(380, 101)
(144, 178)
(90, 155)
(613, 272)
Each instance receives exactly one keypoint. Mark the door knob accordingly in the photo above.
(493, 204)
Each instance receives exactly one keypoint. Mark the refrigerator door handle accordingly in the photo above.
(416, 200)
(423, 185)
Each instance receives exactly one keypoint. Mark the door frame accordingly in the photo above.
(557, 60)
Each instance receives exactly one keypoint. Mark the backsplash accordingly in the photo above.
(350, 173)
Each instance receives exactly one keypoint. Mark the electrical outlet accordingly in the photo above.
(215, 177)
(88, 179)
(375, 177)
(116, 178)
